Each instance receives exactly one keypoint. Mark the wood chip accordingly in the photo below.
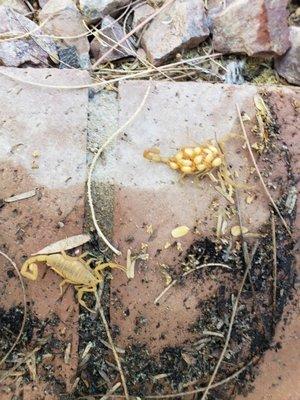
(31, 365)
(156, 378)
(67, 354)
(130, 265)
(65, 244)
(237, 230)
(21, 196)
(211, 333)
(189, 359)
(180, 231)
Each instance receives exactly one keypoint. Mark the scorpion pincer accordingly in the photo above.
(73, 270)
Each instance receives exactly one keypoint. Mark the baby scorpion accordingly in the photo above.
(74, 270)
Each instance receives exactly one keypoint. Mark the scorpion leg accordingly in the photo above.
(80, 293)
(83, 255)
(88, 262)
(62, 283)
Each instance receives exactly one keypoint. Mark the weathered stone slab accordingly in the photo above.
(43, 146)
(147, 201)
(148, 197)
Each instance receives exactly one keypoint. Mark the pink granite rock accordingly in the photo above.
(183, 25)
(64, 19)
(288, 66)
(111, 33)
(42, 145)
(146, 201)
(257, 29)
(27, 50)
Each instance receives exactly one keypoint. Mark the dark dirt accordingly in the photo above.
(35, 334)
(176, 368)
(251, 335)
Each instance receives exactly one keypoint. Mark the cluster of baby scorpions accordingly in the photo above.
(200, 160)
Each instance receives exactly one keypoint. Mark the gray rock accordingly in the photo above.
(141, 12)
(94, 10)
(64, 19)
(17, 5)
(182, 25)
(32, 50)
(257, 29)
(68, 57)
(42, 3)
(288, 66)
(111, 33)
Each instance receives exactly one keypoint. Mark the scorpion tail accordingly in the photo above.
(29, 269)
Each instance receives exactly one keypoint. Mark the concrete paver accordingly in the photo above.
(43, 145)
(147, 201)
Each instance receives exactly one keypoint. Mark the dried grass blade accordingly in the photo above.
(259, 174)
(21, 196)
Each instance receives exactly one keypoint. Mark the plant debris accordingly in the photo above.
(21, 196)
(64, 244)
(180, 231)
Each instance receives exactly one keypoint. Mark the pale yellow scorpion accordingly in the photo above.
(74, 270)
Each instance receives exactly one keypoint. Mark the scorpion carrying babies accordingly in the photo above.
(74, 270)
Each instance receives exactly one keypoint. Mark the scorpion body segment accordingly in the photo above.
(74, 270)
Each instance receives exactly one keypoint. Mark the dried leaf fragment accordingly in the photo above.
(250, 199)
(180, 231)
(167, 276)
(65, 244)
(21, 196)
(189, 359)
(31, 365)
(238, 230)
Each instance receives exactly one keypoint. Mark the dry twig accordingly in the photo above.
(144, 73)
(258, 172)
(190, 392)
(173, 283)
